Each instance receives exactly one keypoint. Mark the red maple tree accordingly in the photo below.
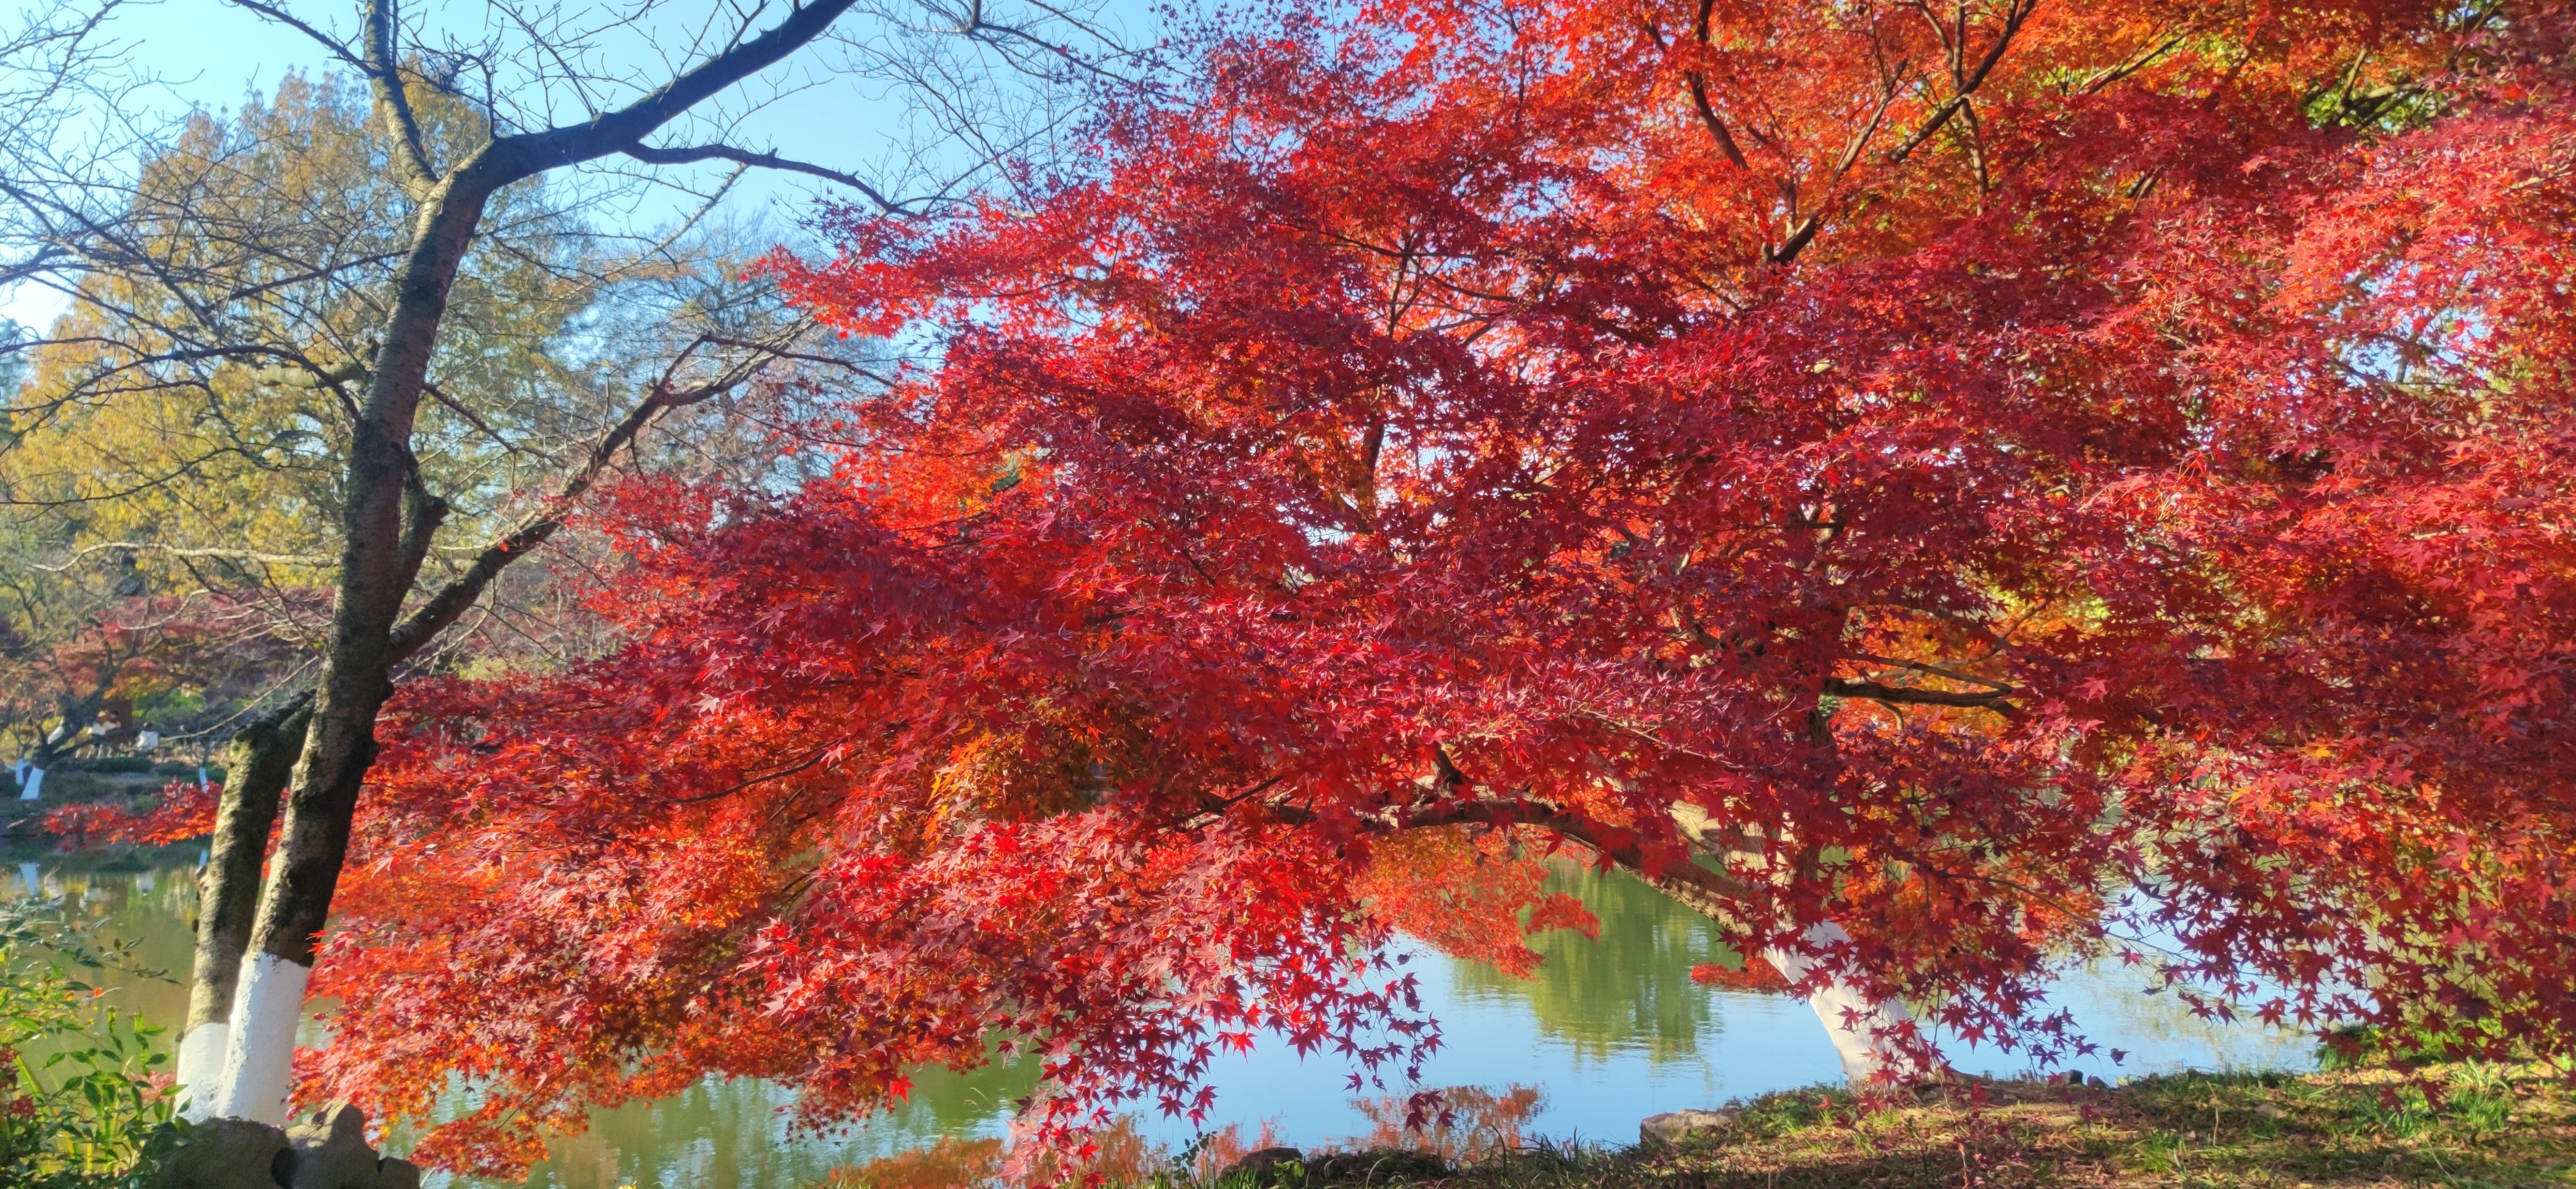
(1936, 487)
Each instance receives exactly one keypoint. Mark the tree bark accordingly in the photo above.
(257, 764)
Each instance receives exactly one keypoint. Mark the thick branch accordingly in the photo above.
(623, 129)
(1716, 127)
(1992, 699)
(384, 75)
(2013, 20)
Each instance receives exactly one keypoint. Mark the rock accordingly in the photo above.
(1378, 1166)
(1674, 1126)
(1269, 1166)
(326, 1149)
(228, 1154)
(331, 1150)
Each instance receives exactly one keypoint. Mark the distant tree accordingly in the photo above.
(1938, 489)
(221, 477)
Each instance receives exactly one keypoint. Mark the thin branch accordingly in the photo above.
(450, 601)
(252, 555)
(281, 16)
(656, 155)
(2014, 17)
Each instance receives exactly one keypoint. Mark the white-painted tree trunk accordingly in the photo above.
(33, 788)
(1863, 1029)
(201, 1068)
(259, 1053)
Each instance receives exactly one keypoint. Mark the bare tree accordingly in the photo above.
(487, 123)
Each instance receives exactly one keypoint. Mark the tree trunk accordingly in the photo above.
(257, 764)
(386, 529)
(1865, 1031)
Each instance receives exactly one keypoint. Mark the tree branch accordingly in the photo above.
(2014, 17)
(527, 154)
(1842, 687)
(384, 75)
(450, 601)
(656, 155)
(290, 20)
(274, 559)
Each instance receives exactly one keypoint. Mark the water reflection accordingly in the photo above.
(1611, 1029)
(1629, 990)
(725, 1135)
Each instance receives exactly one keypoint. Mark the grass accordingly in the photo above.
(2471, 1126)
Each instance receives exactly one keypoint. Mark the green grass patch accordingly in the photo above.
(2469, 1126)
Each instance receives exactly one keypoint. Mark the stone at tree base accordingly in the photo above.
(331, 1152)
(1673, 1126)
(326, 1149)
(227, 1154)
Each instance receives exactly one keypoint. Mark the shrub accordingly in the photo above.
(82, 1102)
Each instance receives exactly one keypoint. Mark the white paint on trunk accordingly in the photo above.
(34, 787)
(34, 879)
(1863, 1029)
(201, 1068)
(260, 1053)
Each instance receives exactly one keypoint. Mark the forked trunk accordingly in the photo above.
(295, 901)
(386, 528)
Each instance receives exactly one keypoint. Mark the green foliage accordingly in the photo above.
(83, 1104)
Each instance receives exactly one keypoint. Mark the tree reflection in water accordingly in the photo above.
(1627, 991)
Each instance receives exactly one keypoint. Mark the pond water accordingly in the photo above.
(1610, 1030)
